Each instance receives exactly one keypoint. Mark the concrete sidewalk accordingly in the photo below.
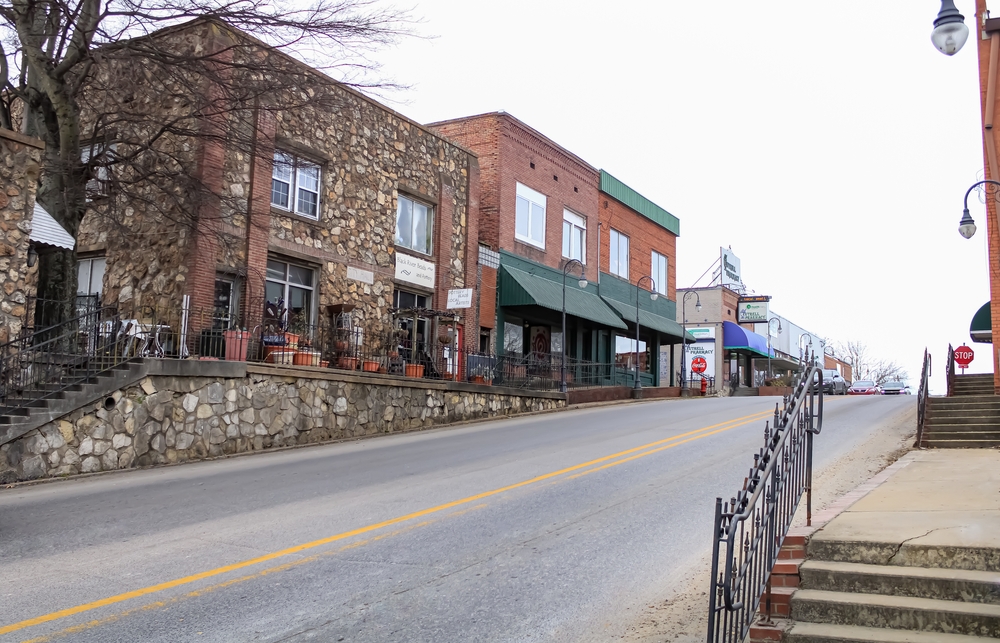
(931, 508)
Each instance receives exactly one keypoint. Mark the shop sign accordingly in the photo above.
(460, 298)
(730, 274)
(414, 271)
(702, 333)
(359, 274)
(698, 352)
(752, 310)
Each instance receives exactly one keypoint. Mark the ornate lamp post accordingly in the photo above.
(697, 307)
(583, 284)
(801, 353)
(967, 227)
(652, 295)
(769, 373)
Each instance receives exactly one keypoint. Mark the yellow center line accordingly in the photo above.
(160, 587)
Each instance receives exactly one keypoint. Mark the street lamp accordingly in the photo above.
(967, 227)
(697, 307)
(583, 284)
(950, 32)
(769, 373)
(652, 295)
(801, 352)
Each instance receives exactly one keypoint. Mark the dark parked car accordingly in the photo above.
(895, 388)
(863, 387)
(833, 383)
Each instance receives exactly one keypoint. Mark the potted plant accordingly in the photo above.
(236, 342)
(370, 364)
(274, 323)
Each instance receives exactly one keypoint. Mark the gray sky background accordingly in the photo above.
(829, 144)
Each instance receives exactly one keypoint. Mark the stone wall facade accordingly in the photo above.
(175, 418)
(20, 164)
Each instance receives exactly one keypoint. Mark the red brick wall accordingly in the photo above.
(644, 235)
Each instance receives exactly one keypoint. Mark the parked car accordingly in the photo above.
(833, 383)
(895, 388)
(863, 387)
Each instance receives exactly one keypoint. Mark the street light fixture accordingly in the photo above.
(967, 227)
(950, 32)
(583, 284)
(652, 295)
(769, 373)
(801, 353)
(697, 307)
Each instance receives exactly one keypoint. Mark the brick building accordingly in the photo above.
(340, 202)
(540, 207)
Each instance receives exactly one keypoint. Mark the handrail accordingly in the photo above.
(922, 394)
(949, 371)
(750, 529)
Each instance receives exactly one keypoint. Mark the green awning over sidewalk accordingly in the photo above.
(981, 328)
(651, 320)
(520, 288)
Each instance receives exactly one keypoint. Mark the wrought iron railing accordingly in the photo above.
(750, 529)
(48, 361)
(922, 394)
(949, 371)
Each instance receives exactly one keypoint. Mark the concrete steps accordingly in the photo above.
(971, 586)
(827, 633)
(970, 419)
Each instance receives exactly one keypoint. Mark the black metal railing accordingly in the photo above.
(42, 364)
(949, 371)
(750, 529)
(922, 394)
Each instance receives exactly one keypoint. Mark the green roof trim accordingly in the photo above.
(674, 332)
(615, 188)
(520, 288)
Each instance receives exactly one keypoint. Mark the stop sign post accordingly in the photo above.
(964, 356)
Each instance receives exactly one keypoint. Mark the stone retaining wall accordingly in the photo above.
(167, 418)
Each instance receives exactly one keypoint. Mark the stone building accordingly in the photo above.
(332, 200)
(542, 206)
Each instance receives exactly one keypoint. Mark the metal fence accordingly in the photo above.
(750, 529)
(922, 393)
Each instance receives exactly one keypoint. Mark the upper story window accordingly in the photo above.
(529, 225)
(619, 254)
(658, 271)
(414, 223)
(99, 159)
(574, 242)
(295, 185)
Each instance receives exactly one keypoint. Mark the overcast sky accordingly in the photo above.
(829, 144)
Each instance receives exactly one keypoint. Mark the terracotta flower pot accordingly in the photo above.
(350, 363)
(369, 366)
(414, 370)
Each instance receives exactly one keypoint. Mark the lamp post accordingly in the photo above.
(583, 284)
(967, 227)
(697, 307)
(652, 295)
(801, 353)
(769, 373)
(950, 32)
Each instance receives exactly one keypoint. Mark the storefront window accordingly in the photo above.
(625, 354)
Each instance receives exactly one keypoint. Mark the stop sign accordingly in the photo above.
(698, 365)
(963, 356)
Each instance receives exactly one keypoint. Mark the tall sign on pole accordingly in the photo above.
(730, 269)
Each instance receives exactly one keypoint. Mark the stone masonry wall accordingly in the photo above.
(20, 162)
(168, 419)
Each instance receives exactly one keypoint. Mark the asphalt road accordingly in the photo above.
(547, 528)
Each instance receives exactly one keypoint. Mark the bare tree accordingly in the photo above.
(119, 89)
(864, 365)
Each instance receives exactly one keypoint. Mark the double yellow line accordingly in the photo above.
(577, 470)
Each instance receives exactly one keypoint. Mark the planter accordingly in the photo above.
(236, 344)
(324, 363)
(477, 379)
(281, 356)
(350, 363)
(307, 358)
(291, 340)
(369, 366)
(414, 370)
(447, 376)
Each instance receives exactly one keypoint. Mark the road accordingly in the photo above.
(544, 528)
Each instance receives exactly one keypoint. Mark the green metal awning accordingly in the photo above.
(519, 288)
(651, 320)
(981, 329)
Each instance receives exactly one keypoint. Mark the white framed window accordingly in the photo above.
(658, 271)
(295, 185)
(99, 158)
(414, 224)
(90, 275)
(619, 254)
(291, 288)
(529, 224)
(574, 244)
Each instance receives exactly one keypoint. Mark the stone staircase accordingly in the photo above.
(854, 591)
(970, 418)
(85, 389)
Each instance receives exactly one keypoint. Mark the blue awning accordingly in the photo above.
(738, 339)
